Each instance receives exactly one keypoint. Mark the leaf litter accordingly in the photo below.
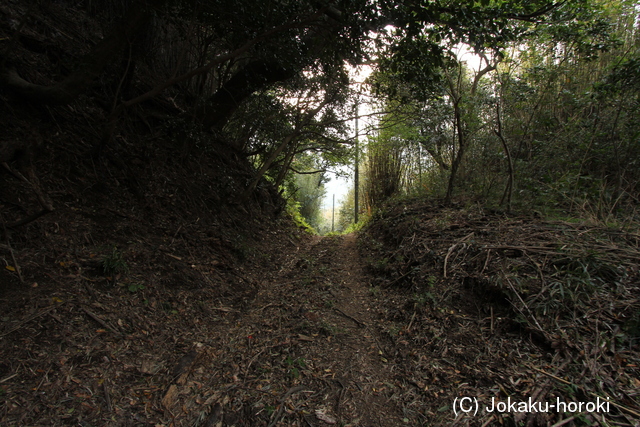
(427, 306)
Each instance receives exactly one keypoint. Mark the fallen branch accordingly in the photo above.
(44, 201)
(388, 285)
(28, 319)
(565, 421)
(446, 259)
(100, 321)
(29, 219)
(617, 405)
(289, 392)
(8, 378)
(361, 324)
(524, 304)
(413, 317)
(107, 397)
(563, 381)
(13, 255)
(451, 249)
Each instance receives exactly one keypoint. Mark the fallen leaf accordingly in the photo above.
(147, 367)
(324, 417)
(170, 396)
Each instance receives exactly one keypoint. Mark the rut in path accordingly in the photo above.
(311, 338)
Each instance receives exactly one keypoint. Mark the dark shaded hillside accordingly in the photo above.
(73, 176)
(489, 305)
(119, 239)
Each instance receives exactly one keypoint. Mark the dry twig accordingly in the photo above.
(28, 319)
(278, 414)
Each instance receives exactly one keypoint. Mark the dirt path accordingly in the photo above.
(300, 345)
(348, 343)
(307, 350)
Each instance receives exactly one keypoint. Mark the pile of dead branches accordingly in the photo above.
(529, 308)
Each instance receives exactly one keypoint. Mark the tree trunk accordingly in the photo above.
(455, 164)
(252, 77)
(437, 157)
(287, 140)
(508, 191)
(282, 174)
(266, 165)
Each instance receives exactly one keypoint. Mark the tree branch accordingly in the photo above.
(531, 17)
(219, 60)
(306, 173)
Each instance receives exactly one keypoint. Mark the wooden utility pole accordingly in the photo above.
(357, 175)
(333, 212)
(420, 166)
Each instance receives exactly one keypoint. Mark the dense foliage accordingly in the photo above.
(546, 122)
(548, 116)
